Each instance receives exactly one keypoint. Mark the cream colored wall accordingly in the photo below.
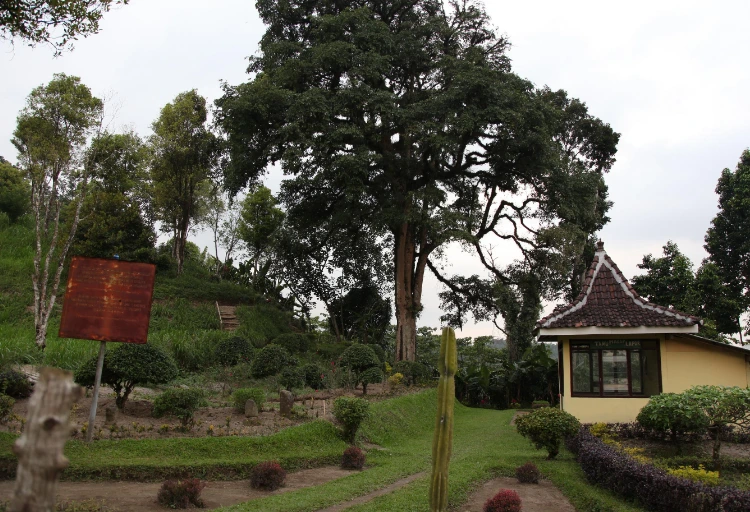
(684, 364)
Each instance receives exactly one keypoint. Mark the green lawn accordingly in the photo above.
(485, 445)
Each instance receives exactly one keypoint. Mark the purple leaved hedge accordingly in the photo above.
(652, 487)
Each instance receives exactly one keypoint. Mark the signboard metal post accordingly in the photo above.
(107, 300)
(97, 382)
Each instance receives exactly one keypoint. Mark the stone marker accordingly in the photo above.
(251, 409)
(286, 402)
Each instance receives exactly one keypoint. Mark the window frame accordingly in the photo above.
(594, 351)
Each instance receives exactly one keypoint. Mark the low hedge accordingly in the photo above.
(651, 487)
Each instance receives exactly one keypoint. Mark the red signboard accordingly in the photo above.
(107, 300)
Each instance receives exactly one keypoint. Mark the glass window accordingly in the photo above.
(615, 368)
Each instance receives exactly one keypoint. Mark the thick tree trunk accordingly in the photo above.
(40, 448)
(409, 275)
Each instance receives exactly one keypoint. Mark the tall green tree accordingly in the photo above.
(728, 237)
(669, 281)
(117, 214)
(403, 118)
(50, 136)
(184, 153)
(259, 224)
(14, 191)
(54, 22)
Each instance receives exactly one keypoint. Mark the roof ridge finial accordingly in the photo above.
(600, 246)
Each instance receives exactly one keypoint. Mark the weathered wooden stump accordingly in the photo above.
(40, 447)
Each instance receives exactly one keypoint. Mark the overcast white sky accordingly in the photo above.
(670, 76)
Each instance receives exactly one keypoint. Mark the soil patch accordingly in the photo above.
(541, 497)
(127, 496)
(369, 497)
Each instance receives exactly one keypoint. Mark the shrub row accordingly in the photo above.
(653, 488)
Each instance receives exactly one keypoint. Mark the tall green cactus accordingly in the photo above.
(442, 443)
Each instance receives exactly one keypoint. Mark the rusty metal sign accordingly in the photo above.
(107, 300)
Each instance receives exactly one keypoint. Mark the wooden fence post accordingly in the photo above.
(40, 447)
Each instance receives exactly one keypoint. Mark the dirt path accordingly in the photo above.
(541, 497)
(369, 497)
(128, 496)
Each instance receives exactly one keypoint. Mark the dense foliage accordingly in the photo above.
(57, 23)
(270, 360)
(128, 366)
(373, 375)
(674, 414)
(313, 376)
(350, 413)
(547, 428)
(179, 402)
(15, 384)
(14, 191)
(181, 493)
(359, 358)
(267, 476)
(295, 343)
(233, 350)
(728, 244)
(413, 371)
(353, 458)
(292, 378)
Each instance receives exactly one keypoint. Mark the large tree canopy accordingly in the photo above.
(404, 119)
(55, 22)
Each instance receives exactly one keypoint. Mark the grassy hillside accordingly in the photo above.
(183, 317)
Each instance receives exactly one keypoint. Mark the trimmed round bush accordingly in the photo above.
(126, 367)
(528, 473)
(313, 376)
(372, 375)
(674, 414)
(6, 407)
(350, 413)
(292, 378)
(546, 428)
(506, 500)
(295, 343)
(270, 360)
(353, 458)
(378, 351)
(412, 371)
(267, 476)
(242, 395)
(232, 351)
(179, 402)
(181, 493)
(16, 384)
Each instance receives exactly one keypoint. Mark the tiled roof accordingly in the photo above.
(608, 300)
